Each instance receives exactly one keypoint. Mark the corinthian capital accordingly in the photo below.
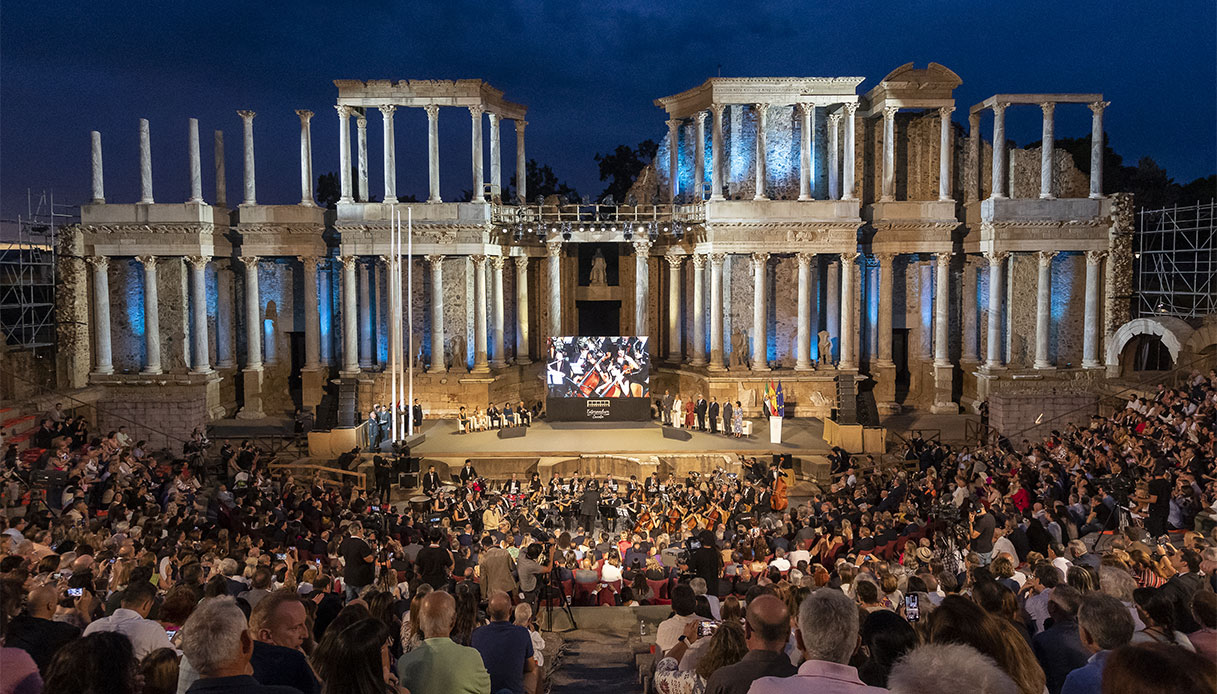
(348, 262)
(553, 248)
(1045, 258)
(674, 259)
(98, 262)
(1098, 106)
(497, 262)
(387, 109)
(198, 262)
(889, 112)
(996, 257)
(642, 247)
(435, 260)
(343, 111)
(432, 111)
(850, 108)
(247, 116)
(305, 114)
(1095, 257)
(148, 261)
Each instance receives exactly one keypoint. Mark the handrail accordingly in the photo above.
(361, 477)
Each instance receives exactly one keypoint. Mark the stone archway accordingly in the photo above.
(1175, 333)
(1203, 343)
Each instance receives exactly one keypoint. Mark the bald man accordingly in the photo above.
(506, 648)
(767, 627)
(36, 632)
(439, 665)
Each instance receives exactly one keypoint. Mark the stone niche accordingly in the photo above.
(1015, 414)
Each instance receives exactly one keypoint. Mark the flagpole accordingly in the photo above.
(410, 310)
(392, 327)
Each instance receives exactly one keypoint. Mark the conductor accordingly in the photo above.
(590, 506)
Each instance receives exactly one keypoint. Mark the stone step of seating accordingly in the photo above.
(18, 424)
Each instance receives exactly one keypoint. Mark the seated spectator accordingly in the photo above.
(675, 673)
(827, 635)
(1158, 668)
(159, 671)
(1158, 612)
(886, 637)
(1059, 648)
(438, 665)
(1103, 625)
(35, 631)
(766, 632)
(506, 648)
(669, 631)
(358, 661)
(131, 620)
(948, 667)
(523, 617)
(217, 644)
(104, 659)
(462, 421)
(278, 626)
(1204, 607)
(959, 620)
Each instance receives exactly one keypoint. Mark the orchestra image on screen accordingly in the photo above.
(598, 367)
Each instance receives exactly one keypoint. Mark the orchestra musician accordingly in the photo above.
(431, 482)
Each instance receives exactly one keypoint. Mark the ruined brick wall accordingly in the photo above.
(1015, 414)
(164, 415)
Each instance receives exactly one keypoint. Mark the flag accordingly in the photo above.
(766, 399)
(780, 401)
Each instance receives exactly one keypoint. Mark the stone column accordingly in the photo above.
(103, 360)
(642, 287)
(350, 320)
(224, 318)
(438, 361)
(251, 197)
(325, 280)
(361, 147)
(889, 154)
(760, 323)
(971, 341)
(717, 357)
(479, 194)
(99, 188)
(389, 301)
(716, 153)
(521, 175)
(997, 287)
(433, 152)
(498, 360)
(312, 316)
(496, 164)
(1090, 329)
(306, 158)
(850, 151)
(673, 158)
(806, 111)
(479, 314)
(390, 153)
(221, 183)
(942, 309)
(365, 317)
(145, 162)
(849, 272)
(1046, 147)
(699, 157)
(762, 121)
(834, 156)
(674, 262)
(198, 302)
(802, 360)
(883, 356)
(1043, 309)
(253, 314)
(946, 152)
(344, 151)
(998, 189)
(977, 189)
(152, 322)
(192, 155)
(522, 356)
(1096, 148)
(699, 310)
(553, 250)
(832, 297)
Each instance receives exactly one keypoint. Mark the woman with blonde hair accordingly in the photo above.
(959, 620)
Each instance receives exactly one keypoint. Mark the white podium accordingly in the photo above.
(775, 429)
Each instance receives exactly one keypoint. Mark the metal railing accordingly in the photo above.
(597, 217)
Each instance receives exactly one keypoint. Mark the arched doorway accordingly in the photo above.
(1145, 355)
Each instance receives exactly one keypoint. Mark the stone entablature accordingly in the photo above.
(909, 87)
(773, 91)
(421, 93)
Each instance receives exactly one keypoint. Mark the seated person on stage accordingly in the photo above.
(431, 481)
(523, 413)
(496, 420)
(509, 417)
(462, 419)
(477, 420)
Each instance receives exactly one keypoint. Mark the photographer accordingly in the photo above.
(704, 560)
(531, 571)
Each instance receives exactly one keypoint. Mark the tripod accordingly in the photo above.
(552, 587)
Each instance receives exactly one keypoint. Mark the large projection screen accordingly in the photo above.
(593, 379)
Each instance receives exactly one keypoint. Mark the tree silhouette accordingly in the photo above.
(622, 166)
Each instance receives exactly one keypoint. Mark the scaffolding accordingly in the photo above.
(28, 272)
(1175, 262)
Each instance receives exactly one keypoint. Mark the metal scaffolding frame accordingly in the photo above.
(1175, 261)
(28, 272)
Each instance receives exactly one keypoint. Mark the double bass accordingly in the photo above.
(781, 493)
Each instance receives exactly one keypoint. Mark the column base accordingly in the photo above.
(102, 372)
(480, 369)
(1047, 196)
(756, 198)
(437, 371)
(498, 364)
(698, 362)
(1092, 365)
(203, 371)
(804, 367)
(760, 369)
(434, 201)
(946, 199)
(523, 361)
(806, 198)
(1038, 366)
(717, 197)
(944, 408)
(152, 372)
(253, 394)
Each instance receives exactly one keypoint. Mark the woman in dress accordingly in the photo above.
(678, 409)
(690, 413)
(737, 419)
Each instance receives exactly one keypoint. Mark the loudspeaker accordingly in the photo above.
(408, 481)
(784, 461)
(513, 432)
(677, 434)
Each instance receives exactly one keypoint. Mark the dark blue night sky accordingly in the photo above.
(588, 71)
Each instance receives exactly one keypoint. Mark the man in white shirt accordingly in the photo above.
(780, 562)
(130, 619)
(669, 631)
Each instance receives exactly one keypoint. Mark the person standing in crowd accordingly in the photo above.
(1059, 648)
(417, 413)
(767, 629)
(279, 626)
(357, 572)
(434, 562)
(981, 527)
(131, 620)
(36, 631)
(439, 665)
(712, 413)
(534, 573)
(216, 642)
(1103, 625)
(506, 648)
(665, 408)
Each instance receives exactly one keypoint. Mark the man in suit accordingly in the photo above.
(374, 429)
(700, 409)
(728, 413)
(713, 415)
(468, 472)
(385, 415)
(589, 506)
(492, 413)
(431, 482)
(665, 412)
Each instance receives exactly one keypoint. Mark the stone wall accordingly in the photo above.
(1014, 414)
(164, 415)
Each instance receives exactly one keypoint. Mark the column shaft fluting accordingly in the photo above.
(762, 122)
(805, 132)
(198, 303)
(344, 152)
(832, 297)
(942, 310)
(195, 160)
(883, 353)
(760, 316)
(365, 317)
(716, 152)
(361, 148)
(145, 162)
(1046, 150)
(253, 314)
(479, 314)
(971, 339)
(433, 152)
(642, 286)
(99, 187)
(850, 151)
(247, 118)
(521, 164)
(717, 357)
(554, 253)
(673, 159)
(699, 156)
(977, 190)
(390, 153)
(946, 152)
(997, 288)
(475, 132)
(674, 262)
(699, 310)
(438, 362)
(312, 316)
(849, 272)
(221, 179)
(1090, 325)
(306, 159)
(522, 349)
(224, 318)
(802, 361)
(498, 356)
(998, 189)
(350, 317)
(834, 156)
(152, 322)
(1043, 309)
(496, 163)
(889, 154)
(103, 359)
(1096, 148)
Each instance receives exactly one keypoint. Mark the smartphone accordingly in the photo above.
(280, 556)
(912, 611)
(75, 592)
(171, 633)
(707, 628)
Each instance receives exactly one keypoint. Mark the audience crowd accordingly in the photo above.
(1084, 562)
